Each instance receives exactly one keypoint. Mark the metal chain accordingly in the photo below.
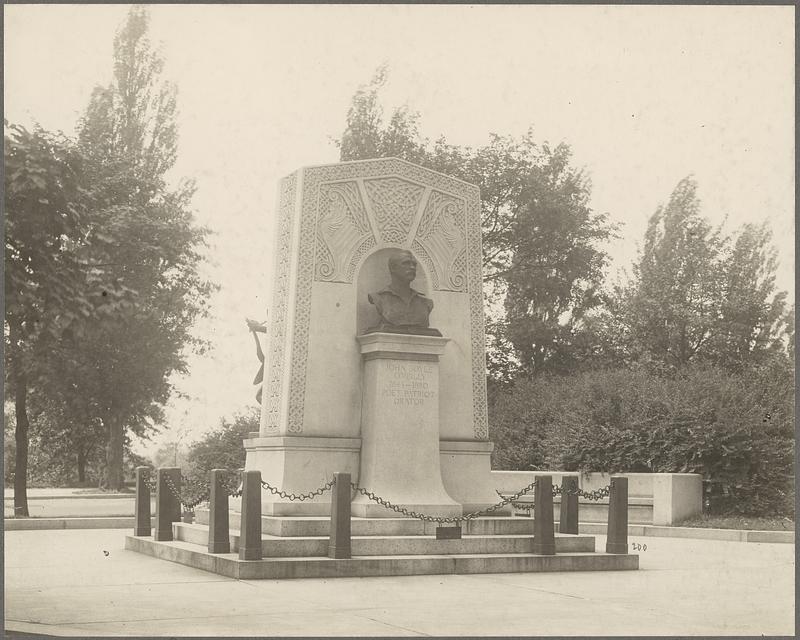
(454, 519)
(234, 492)
(188, 504)
(301, 496)
(597, 494)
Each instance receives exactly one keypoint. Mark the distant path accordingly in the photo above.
(74, 506)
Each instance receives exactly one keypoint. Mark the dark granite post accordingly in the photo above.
(250, 533)
(617, 540)
(168, 506)
(219, 540)
(141, 512)
(339, 546)
(544, 538)
(568, 522)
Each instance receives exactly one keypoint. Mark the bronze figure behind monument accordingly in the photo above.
(400, 308)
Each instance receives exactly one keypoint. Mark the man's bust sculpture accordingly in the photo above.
(400, 308)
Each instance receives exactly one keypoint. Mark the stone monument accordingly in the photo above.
(386, 382)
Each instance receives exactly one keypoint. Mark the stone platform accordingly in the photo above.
(296, 547)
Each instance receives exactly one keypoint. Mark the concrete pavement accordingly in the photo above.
(83, 583)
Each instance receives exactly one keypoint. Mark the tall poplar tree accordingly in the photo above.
(700, 295)
(130, 134)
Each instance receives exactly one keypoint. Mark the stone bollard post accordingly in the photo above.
(142, 525)
(617, 540)
(339, 546)
(219, 539)
(544, 538)
(168, 505)
(568, 521)
(250, 529)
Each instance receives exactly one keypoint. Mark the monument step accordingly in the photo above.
(292, 526)
(276, 546)
(228, 564)
(598, 512)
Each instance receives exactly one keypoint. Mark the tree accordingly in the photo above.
(130, 135)
(541, 254)
(221, 448)
(698, 295)
(675, 299)
(51, 283)
(751, 310)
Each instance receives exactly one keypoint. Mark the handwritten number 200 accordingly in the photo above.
(638, 547)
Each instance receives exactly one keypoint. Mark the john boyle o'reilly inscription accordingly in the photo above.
(408, 384)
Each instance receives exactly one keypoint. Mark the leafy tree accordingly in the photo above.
(51, 283)
(116, 376)
(698, 295)
(541, 239)
(677, 288)
(221, 448)
(752, 312)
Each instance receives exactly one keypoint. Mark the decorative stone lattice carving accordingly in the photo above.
(422, 255)
(280, 297)
(394, 203)
(441, 232)
(342, 227)
(362, 250)
(475, 287)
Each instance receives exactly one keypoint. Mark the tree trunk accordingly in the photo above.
(81, 466)
(114, 449)
(20, 435)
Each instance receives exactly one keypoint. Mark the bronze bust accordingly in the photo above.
(400, 308)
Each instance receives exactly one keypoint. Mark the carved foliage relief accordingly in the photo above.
(347, 228)
(342, 227)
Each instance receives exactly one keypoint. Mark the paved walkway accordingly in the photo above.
(83, 583)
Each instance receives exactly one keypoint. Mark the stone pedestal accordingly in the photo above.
(299, 465)
(467, 475)
(400, 426)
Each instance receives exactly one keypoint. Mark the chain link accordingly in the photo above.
(298, 496)
(557, 490)
(188, 504)
(203, 496)
(440, 519)
(229, 485)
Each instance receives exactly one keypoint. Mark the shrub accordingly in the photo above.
(221, 448)
(737, 430)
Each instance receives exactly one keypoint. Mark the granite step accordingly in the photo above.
(640, 509)
(293, 526)
(228, 564)
(277, 546)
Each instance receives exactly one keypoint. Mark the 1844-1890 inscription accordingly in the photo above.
(409, 383)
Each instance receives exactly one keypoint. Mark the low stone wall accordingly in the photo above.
(673, 496)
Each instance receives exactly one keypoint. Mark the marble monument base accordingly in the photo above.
(467, 475)
(299, 464)
(400, 426)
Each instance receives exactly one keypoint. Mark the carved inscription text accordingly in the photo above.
(409, 383)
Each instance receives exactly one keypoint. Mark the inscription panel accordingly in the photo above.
(408, 384)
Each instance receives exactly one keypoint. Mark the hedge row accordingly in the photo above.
(737, 430)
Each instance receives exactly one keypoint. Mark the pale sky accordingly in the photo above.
(644, 95)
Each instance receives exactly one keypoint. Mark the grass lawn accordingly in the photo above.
(753, 523)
